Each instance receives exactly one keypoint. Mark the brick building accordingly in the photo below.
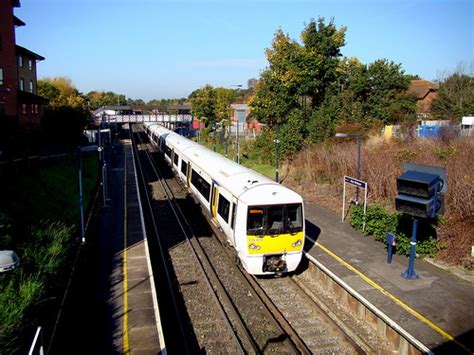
(19, 102)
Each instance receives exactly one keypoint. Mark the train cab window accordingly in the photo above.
(255, 220)
(223, 208)
(274, 219)
(294, 218)
(184, 167)
(201, 185)
(176, 159)
(232, 221)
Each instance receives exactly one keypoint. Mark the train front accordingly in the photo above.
(275, 230)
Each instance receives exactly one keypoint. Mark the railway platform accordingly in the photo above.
(113, 304)
(437, 308)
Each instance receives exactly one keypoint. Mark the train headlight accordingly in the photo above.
(298, 243)
(254, 247)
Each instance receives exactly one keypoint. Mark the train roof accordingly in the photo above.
(242, 182)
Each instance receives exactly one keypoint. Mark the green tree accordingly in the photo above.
(203, 103)
(375, 93)
(97, 99)
(61, 92)
(213, 104)
(455, 97)
(224, 98)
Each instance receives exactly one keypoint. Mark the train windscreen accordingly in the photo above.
(275, 219)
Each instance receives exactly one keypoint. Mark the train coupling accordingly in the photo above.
(274, 263)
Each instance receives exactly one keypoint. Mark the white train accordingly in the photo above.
(263, 220)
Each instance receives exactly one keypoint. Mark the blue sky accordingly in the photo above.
(165, 49)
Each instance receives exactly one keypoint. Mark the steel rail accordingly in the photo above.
(160, 247)
(274, 314)
(201, 259)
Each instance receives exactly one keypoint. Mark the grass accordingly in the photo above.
(38, 219)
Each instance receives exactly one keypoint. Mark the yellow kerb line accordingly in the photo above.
(126, 345)
(393, 298)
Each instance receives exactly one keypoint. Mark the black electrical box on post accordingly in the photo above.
(421, 191)
(419, 194)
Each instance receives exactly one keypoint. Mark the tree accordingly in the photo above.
(66, 115)
(224, 98)
(203, 103)
(298, 90)
(211, 103)
(98, 99)
(61, 92)
(455, 97)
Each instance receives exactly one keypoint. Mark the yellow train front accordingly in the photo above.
(262, 220)
(270, 230)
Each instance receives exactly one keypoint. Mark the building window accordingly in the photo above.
(1, 76)
(20, 61)
(31, 86)
(23, 109)
(32, 108)
(30, 64)
(22, 84)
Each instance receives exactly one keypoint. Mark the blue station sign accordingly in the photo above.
(354, 182)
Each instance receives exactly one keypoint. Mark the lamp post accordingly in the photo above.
(359, 148)
(90, 148)
(277, 153)
(237, 158)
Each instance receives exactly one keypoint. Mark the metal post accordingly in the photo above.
(237, 159)
(359, 145)
(277, 146)
(410, 272)
(226, 137)
(214, 136)
(81, 198)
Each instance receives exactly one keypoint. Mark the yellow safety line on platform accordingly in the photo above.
(393, 298)
(126, 345)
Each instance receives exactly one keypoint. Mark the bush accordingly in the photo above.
(379, 222)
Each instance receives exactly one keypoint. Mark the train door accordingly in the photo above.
(214, 199)
(188, 174)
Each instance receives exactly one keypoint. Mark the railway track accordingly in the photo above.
(253, 324)
(195, 327)
(264, 314)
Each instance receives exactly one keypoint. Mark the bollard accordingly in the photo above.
(391, 242)
(410, 273)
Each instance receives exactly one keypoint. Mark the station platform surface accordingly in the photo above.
(437, 308)
(126, 312)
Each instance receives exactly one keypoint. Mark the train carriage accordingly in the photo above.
(263, 220)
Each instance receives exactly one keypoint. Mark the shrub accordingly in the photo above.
(379, 222)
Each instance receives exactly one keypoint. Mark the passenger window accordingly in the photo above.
(223, 208)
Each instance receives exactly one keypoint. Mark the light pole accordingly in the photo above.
(359, 148)
(237, 158)
(277, 151)
(89, 148)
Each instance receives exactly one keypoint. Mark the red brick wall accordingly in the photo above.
(8, 91)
